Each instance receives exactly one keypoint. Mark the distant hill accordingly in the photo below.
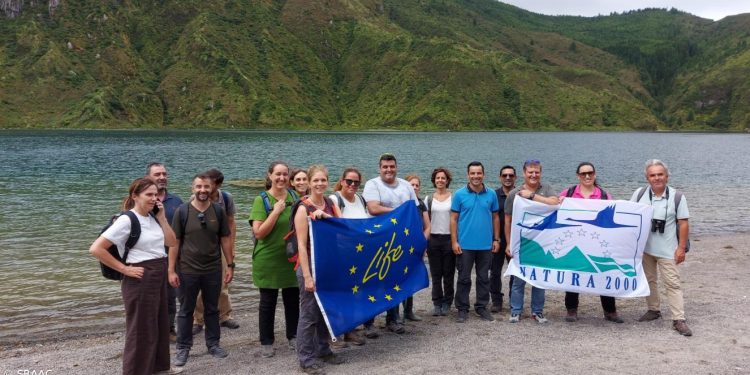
(367, 64)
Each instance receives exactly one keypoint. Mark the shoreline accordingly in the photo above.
(715, 306)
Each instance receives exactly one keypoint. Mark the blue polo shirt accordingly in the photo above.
(171, 203)
(475, 217)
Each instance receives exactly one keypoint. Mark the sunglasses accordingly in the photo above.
(350, 182)
(587, 174)
(202, 219)
(531, 162)
(507, 175)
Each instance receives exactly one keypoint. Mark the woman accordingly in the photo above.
(312, 333)
(588, 188)
(416, 184)
(299, 182)
(144, 282)
(439, 252)
(271, 269)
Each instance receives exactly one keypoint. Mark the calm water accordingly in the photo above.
(59, 187)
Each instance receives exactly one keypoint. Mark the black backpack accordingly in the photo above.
(290, 239)
(572, 189)
(135, 234)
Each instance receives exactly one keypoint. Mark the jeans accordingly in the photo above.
(267, 313)
(312, 332)
(466, 261)
(442, 269)
(516, 298)
(210, 286)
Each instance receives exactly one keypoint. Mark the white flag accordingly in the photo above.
(584, 246)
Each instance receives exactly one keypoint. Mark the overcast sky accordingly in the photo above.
(712, 9)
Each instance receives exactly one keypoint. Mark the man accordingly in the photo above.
(225, 200)
(383, 194)
(202, 232)
(475, 236)
(157, 172)
(507, 183)
(666, 245)
(532, 189)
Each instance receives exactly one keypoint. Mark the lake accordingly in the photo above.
(60, 187)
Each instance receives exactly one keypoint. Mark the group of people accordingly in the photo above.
(186, 252)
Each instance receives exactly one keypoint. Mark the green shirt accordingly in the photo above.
(271, 269)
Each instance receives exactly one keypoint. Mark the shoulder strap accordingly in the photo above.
(641, 191)
(293, 193)
(340, 199)
(428, 202)
(135, 233)
(604, 194)
(677, 200)
(362, 199)
(183, 219)
(570, 192)
(266, 202)
(220, 213)
(225, 196)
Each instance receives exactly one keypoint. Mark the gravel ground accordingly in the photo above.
(715, 281)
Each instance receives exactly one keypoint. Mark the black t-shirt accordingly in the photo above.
(200, 250)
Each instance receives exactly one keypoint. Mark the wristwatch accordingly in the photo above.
(231, 265)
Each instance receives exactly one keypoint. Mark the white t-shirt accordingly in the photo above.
(150, 244)
(440, 220)
(352, 210)
(389, 196)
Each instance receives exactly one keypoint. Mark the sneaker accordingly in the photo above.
(437, 310)
(395, 327)
(354, 338)
(315, 369)
(217, 351)
(197, 328)
(266, 351)
(292, 344)
(539, 317)
(171, 371)
(445, 309)
(410, 315)
(230, 323)
(462, 315)
(181, 358)
(613, 317)
(485, 315)
(682, 327)
(650, 315)
(514, 318)
(332, 359)
(573, 316)
(371, 332)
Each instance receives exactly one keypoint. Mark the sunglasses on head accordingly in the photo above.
(350, 182)
(202, 219)
(531, 162)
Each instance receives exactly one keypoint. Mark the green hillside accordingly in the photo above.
(366, 64)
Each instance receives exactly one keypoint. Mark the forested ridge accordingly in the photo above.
(367, 64)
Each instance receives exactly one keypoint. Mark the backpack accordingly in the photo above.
(135, 234)
(290, 239)
(268, 207)
(428, 202)
(342, 201)
(572, 189)
(677, 200)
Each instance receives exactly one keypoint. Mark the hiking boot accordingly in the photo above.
(171, 371)
(332, 359)
(181, 358)
(445, 309)
(315, 369)
(354, 338)
(371, 332)
(395, 327)
(514, 318)
(485, 315)
(217, 351)
(650, 315)
(682, 327)
(437, 310)
(573, 316)
(230, 323)
(496, 308)
(338, 344)
(462, 315)
(613, 317)
(539, 317)
(266, 351)
(292, 344)
(410, 315)
(197, 328)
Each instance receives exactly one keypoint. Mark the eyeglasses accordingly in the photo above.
(202, 219)
(507, 175)
(350, 182)
(587, 174)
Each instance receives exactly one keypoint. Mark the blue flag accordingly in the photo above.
(363, 267)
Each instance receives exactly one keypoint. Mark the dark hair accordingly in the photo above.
(203, 176)
(151, 165)
(294, 172)
(138, 186)
(448, 176)
(270, 170)
(216, 176)
(474, 164)
(508, 167)
(338, 186)
(386, 157)
(585, 163)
